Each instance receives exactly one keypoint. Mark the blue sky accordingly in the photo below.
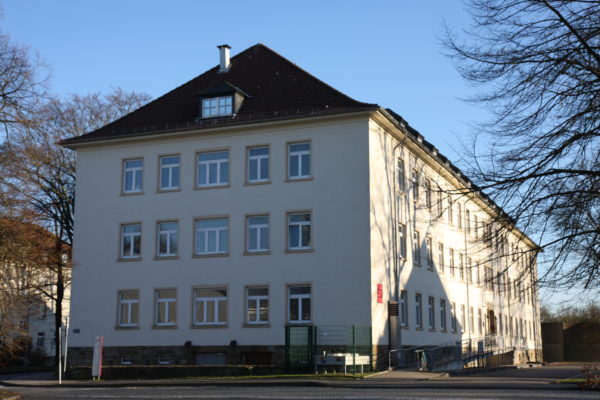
(385, 52)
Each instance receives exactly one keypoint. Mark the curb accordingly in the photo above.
(473, 371)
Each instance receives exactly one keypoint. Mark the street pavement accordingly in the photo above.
(524, 383)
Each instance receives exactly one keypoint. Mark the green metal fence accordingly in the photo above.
(332, 348)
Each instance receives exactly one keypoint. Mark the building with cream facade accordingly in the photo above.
(254, 198)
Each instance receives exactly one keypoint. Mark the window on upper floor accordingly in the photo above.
(258, 164)
(257, 234)
(453, 318)
(210, 306)
(418, 311)
(257, 305)
(441, 257)
(169, 173)
(299, 160)
(428, 194)
(403, 309)
(168, 239)
(299, 298)
(402, 241)
(131, 240)
(41, 336)
(166, 307)
(299, 231)
(213, 168)
(463, 319)
(401, 179)
(443, 325)
(129, 308)
(212, 236)
(451, 261)
(450, 211)
(468, 222)
(461, 266)
(415, 185)
(429, 245)
(133, 174)
(217, 107)
(416, 248)
(431, 312)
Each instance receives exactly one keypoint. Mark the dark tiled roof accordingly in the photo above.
(276, 87)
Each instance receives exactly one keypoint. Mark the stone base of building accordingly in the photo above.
(180, 355)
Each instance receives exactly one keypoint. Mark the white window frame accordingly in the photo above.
(165, 302)
(299, 226)
(431, 312)
(220, 180)
(441, 257)
(299, 154)
(428, 203)
(129, 304)
(400, 175)
(134, 176)
(453, 318)
(459, 216)
(463, 318)
(415, 186)
(404, 309)
(207, 231)
(418, 311)
(451, 264)
(402, 241)
(443, 316)
(172, 169)
(299, 297)
(40, 340)
(132, 237)
(258, 159)
(217, 106)
(416, 248)
(172, 236)
(255, 300)
(262, 229)
(461, 266)
(429, 245)
(219, 301)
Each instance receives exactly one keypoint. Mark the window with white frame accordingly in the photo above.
(463, 319)
(299, 227)
(429, 245)
(416, 248)
(431, 312)
(451, 261)
(428, 194)
(461, 266)
(441, 257)
(415, 185)
(400, 175)
(212, 236)
(210, 306)
(217, 107)
(450, 211)
(169, 173)
(468, 222)
(166, 307)
(299, 160)
(471, 320)
(258, 164)
(443, 325)
(479, 321)
(129, 308)
(453, 318)
(133, 174)
(475, 227)
(402, 241)
(459, 215)
(440, 204)
(168, 239)
(258, 233)
(404, 308)
(257, 305)
(418, 311)
(131, 240)
(299, 298)
(213, 168)
(41, 337)
(500, 325)
(469, 270)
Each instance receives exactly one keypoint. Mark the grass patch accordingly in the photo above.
(576, 380)
(6, 395)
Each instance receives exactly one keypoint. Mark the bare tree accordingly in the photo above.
(537, 65)
(38, 175)
(21, 84)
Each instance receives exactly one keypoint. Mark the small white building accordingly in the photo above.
(256, 197)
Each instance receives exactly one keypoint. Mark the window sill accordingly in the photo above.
(267, 182)
(166, 257)
(308, 178)
(210, 255)
(257, 253)
(299, 251)
(265, 325)
(164, 326)
(404, 327)
(131, 193)
(226, 185)
(215, 326)
(168, 190)
(299, 323)
(121, 259)
(126, 328)
(418, 329)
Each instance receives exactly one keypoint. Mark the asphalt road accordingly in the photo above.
(526, 384)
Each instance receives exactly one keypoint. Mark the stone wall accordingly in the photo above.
(580, 342)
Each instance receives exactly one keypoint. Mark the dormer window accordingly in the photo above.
(217, 107)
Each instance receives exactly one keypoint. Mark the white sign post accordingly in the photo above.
(97, 358)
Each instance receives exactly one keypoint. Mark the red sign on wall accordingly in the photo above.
(379, 293)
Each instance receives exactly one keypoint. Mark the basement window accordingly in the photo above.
(217, 107)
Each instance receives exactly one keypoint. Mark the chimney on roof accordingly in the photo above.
(224, 53)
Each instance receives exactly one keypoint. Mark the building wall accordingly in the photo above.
(427, 226)
(337, 268)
